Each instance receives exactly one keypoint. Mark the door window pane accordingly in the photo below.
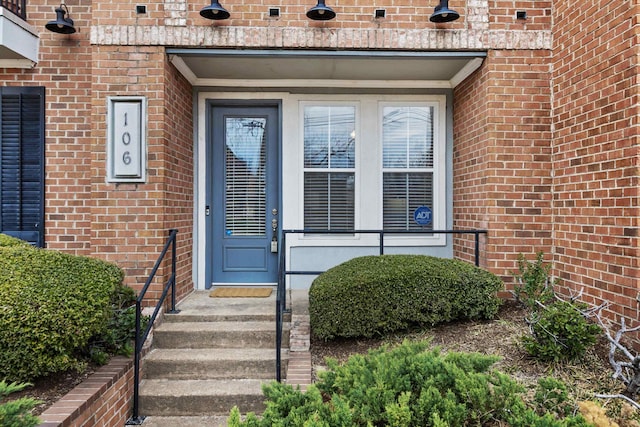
(329, 162)
(245, 191)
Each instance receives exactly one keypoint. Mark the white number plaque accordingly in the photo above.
(126, 148)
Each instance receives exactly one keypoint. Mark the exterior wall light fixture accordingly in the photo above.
(214, 11)
(321, 12)
(442, 13)
(62, 24)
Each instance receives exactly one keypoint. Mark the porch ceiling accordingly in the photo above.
(304, 68)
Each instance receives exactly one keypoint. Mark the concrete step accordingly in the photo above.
(218, 335)
(213, 363)
(202, 421)
(200, 397)
(220, 317)
(202, 309)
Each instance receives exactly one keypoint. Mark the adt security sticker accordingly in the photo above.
(423, 215)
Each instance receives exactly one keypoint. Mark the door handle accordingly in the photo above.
(274, 224)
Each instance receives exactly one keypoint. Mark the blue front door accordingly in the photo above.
(244, 203)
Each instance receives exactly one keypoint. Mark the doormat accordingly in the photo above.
(240, 293)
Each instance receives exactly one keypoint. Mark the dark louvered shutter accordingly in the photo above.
(22, 163)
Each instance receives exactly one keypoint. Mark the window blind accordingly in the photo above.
(329, 201)
(407, 179)
(329, 161)
(402, 194)
(245, 184)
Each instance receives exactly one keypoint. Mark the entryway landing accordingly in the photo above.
(200, 305)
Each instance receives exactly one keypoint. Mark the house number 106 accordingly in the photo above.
(126, 139)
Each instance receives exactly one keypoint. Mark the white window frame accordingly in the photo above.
(439, 210)
(369, 171)
(328, 171)
(356, 208)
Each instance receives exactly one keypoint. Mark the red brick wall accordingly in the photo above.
(64, 69)
(470, 148)
(102, 400)
(502, 15)
(179, 170)
(595, 151)
(131, 222)
(502, 158)
(404, 14)
(400, 14)
(124, 223)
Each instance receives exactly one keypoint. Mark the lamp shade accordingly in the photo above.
(321, 12)
(442, 13)
(62, 24)
(214, 11)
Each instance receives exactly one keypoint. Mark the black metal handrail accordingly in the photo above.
(19, 7)
(136, 419)
(281, 300)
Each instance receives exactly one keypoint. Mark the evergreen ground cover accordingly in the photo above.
(500, 337)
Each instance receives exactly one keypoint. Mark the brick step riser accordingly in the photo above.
(226, 369)
(200, 405)
(219, 339)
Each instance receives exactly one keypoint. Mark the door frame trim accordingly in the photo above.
(205, 103)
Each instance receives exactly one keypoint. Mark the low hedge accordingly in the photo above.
(374, 295)
(51, 304)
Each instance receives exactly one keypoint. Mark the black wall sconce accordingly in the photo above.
(442, 13)
(62, 24)
(321, 12)
(214, 11)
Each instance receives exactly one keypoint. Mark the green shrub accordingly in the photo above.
(404, 386)
(8, 241)
(16, 413)
(119, 334)
(51, 304)
(533, 281)
(381, 294)
(551, 395)
(559, 332)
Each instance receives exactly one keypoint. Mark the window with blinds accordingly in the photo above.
(407, 162)
(245, 184)
(329, 167)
